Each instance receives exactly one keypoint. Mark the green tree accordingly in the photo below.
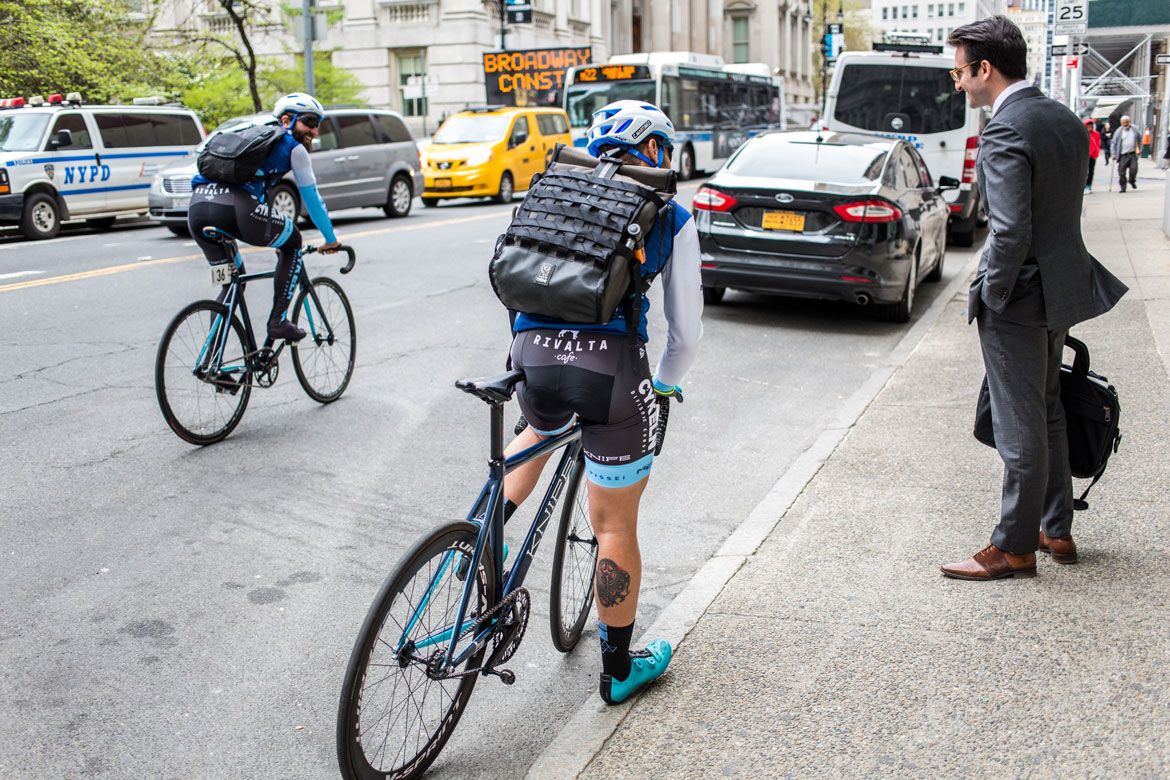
(859, 32)
(88, 46)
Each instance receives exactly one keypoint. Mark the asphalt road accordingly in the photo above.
(171, 611)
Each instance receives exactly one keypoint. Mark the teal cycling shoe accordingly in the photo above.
(465, 562)
(645, 666)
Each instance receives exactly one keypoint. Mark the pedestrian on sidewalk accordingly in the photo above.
(1107, 140)
(1035, 280)
(1127, 144)
(1094, 152)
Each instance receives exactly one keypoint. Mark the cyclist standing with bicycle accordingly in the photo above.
(243, 212)
(598, 373)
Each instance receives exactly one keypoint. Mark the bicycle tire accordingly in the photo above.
(210, 420)
(324, 367)
(574, 564)
(403, 586)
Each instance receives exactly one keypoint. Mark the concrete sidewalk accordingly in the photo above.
(837, 649)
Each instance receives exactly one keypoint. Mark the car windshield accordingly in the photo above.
(773, 157)
(472, 129)
(22, 132)
(583, 99)
(899, 98)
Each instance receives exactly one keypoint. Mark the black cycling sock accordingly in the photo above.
(509, 509)
(615, 649)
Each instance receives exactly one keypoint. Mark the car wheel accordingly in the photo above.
(507, 189)
(430, 202)
(182, 231)
(903, 309)
(686, 164)
(41, 217)
(101, 223)
(400, 198)
(284, 201)
(963, 233)
(713, 295)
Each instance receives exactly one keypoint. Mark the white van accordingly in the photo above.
(61, 160)
(910, 95)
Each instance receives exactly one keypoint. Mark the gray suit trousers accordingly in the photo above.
(1022, 358)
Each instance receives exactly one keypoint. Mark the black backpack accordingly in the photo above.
(237, 157)
(574, 247)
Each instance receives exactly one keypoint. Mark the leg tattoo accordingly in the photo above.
(613, 583)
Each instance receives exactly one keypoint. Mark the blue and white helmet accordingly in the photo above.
(298, 103)
(626, 124)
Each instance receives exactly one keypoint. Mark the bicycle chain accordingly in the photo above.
(507, 642)
(435, 664)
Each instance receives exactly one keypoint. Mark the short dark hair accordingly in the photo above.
(995, 39)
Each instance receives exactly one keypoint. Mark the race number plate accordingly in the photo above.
(221, 274)
(442, 184)
(783, 220)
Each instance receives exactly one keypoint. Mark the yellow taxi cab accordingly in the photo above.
(491, 151)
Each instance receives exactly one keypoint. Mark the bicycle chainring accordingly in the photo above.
(268, 368)
(506, 641)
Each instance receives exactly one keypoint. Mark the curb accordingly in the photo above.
(586, 733)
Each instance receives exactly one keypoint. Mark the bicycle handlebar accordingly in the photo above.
(343, 248)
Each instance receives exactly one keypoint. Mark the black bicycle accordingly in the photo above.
(208, 360)
(450, 612)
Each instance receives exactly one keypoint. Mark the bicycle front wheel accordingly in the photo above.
(324, 359)
(202, 389)
(574, 563)
(395, 715)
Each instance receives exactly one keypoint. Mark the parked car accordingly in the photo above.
(491, 151)
(361, 158)
(62, 160)
(836, 216)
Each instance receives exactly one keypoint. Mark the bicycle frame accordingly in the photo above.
(490, 504)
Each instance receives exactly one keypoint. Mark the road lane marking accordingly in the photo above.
(15, 274)
(122, 268)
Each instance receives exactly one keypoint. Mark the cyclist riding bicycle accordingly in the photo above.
(242, 211)
(598, 374)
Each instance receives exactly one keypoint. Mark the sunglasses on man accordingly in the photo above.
(310, 121)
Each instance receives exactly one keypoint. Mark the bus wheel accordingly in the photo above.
(41, 218)
(686, 163)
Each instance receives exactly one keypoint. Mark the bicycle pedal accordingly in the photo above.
(505, 675)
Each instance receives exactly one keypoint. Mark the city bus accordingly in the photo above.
(714, 107)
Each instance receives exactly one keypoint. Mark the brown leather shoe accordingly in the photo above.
(992, 563)
(1062, 548)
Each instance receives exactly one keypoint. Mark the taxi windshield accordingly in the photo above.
(21, 132)
(471, 129)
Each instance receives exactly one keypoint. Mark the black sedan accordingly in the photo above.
(828, 215)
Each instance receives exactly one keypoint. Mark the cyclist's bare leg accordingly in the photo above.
(614, 513)
(519, 483)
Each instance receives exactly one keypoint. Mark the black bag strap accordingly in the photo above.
(1079, 504)
(1080, 366)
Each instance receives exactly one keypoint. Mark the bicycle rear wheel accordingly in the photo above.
(202, 406)
(574, 564)
(393, 717)
(324, 359)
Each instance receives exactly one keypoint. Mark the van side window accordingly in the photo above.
(519, 132)
(355, 130)
(391, 129)
(327, 135)
(174, 130)
(112, 131)
(75, 124)
(120, 131)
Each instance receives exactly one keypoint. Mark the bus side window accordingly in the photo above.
(669, 87)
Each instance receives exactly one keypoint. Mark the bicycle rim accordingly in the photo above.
(324, 358)
(202, 405)
(393, 719)
(574, 564)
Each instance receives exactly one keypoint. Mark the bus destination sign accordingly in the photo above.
(613, 73)
(530, 77)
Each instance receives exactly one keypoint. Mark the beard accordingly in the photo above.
(305, 139)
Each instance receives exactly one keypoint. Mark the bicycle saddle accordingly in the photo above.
(212, 233)
(493, 389)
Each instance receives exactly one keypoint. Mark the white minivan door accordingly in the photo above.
(74, 169)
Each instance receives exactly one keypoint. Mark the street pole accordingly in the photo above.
(503, 22)
(310, 77)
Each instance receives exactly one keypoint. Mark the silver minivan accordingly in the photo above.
(361, 157)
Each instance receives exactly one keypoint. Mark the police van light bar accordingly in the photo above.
(73, 97)
(12, 102)
(36, 100)
(55, 98)
(154, 100)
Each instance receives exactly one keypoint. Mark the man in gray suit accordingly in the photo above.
(1035, 281)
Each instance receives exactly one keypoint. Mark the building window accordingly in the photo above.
(962, 8)
(885, 13)
(411, 63)
(950, 9)
(739, 39)
(914, 11)
(930, 9)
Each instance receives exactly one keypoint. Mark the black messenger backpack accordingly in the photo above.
(236, 157)
(573, 249)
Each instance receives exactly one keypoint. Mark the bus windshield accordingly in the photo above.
(21, 132)
(471, 129)
(583, 99)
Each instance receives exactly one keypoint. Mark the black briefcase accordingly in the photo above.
(1091, 410)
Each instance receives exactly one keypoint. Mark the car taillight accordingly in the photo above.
(709, 199)
(969, 160)
(868, 211)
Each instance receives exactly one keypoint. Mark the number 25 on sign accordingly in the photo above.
(1072, 17)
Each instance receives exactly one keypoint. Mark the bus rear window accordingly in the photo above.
(876, 97)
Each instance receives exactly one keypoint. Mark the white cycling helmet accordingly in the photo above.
(626, 124)
(298, 103)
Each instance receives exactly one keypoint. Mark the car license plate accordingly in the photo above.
(783, 220)
(221, 274)
(181, 203)
(442, 184)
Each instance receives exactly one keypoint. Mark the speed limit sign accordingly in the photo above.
(1072, 17)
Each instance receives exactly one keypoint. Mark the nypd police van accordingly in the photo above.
(61, 160)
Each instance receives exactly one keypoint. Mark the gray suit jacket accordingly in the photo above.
(1032, 165)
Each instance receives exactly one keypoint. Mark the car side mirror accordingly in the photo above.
(516, 140)
(947, 183)
(315, 145)
(62, 138)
